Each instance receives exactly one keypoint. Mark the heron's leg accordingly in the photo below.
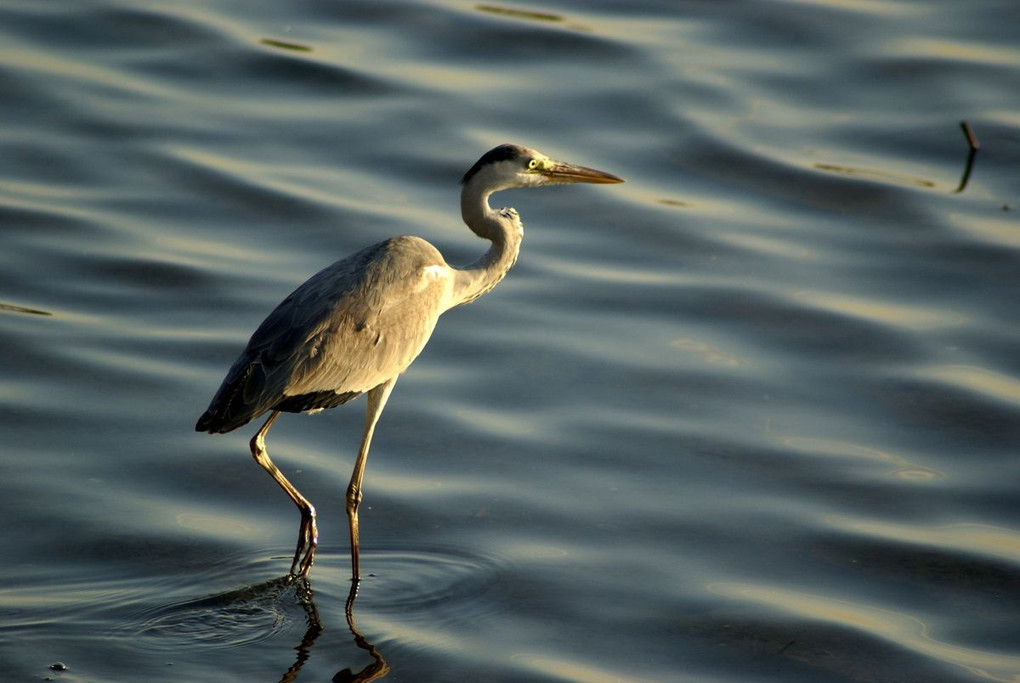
(376, 402)
(308, 537)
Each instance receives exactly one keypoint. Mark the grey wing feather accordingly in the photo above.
(347, 329)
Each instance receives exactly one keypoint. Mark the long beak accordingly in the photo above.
(558, 172)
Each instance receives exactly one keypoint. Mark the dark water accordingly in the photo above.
(752, 416)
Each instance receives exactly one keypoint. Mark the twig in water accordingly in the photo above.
(972, 141)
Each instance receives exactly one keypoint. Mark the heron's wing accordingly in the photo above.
(344, 331)
(375, 328)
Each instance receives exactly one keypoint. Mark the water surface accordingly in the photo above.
(751, 416)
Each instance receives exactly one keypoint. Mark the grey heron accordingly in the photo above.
(353, 327)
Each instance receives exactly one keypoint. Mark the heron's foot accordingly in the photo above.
(308, 540)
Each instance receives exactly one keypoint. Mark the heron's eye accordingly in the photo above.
(533, 164)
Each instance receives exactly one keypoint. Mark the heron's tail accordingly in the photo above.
(240, 399)
(208, 423)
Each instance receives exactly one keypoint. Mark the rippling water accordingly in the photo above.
(752, 416)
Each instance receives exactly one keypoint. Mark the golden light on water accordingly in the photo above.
(979, 380)
(902, 467)
(899, 315)
(902, 629)
(980, 539)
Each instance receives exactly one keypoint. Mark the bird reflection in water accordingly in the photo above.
(275, 597)
(377, 669)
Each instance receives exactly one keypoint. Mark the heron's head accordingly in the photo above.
(509, 166)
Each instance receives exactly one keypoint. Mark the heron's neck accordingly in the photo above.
(502, 228)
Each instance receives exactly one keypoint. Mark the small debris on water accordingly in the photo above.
(283, 45)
